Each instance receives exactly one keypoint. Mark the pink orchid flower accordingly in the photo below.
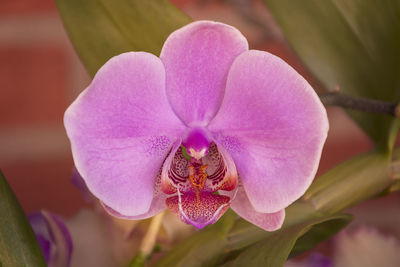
(207, 126)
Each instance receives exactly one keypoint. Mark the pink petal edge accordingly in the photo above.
(267, 221)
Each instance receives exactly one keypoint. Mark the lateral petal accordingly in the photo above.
(121, 128)
(274, 126)
(267, 221)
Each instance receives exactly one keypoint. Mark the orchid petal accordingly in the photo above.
(274, 132)
(121, 128)
(157, 204)
(197, 58)
(221, 169)
(199, 210)
(176, 163)
(267, 221)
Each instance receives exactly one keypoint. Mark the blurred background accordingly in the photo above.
(40, 75)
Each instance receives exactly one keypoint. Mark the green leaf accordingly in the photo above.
(349, 183)
(353, 44)
(101, 29)
(318, 233)
(274, 250)
(243, 233)
(18, 244)
(138, 261)
(203, 248)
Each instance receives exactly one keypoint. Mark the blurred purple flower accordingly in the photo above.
(314, 260)
(53, 237)
(362, 246)
(208, 125)
(366, 246)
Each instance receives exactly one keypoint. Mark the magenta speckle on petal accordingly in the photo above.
(156, 145)
(230, 143)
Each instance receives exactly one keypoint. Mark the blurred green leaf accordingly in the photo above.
(138, 261)
(353, 44)
(347, 184)
(318, 233)
(101, 29)
(274, 250)
(202, 248)
(243, 233)
(395, 172)
(18, 244)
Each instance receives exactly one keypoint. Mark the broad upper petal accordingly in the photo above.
(197, 59)
(121, 129)
(267, 221)
(274, 126)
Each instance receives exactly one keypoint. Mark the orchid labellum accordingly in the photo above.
(206, 126)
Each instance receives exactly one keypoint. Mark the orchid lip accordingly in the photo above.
(213, 219)
(196, 224)
(192, 184)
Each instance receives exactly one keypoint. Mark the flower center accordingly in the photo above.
(197, 175)
(193, 177)
(197, 143)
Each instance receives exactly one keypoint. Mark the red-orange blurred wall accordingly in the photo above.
(40, 75)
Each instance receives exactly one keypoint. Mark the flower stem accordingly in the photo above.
(362, 104)
(395, 174)
(148, 242)
(149, 239)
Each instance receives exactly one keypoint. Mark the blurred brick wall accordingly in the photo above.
(40, 75)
